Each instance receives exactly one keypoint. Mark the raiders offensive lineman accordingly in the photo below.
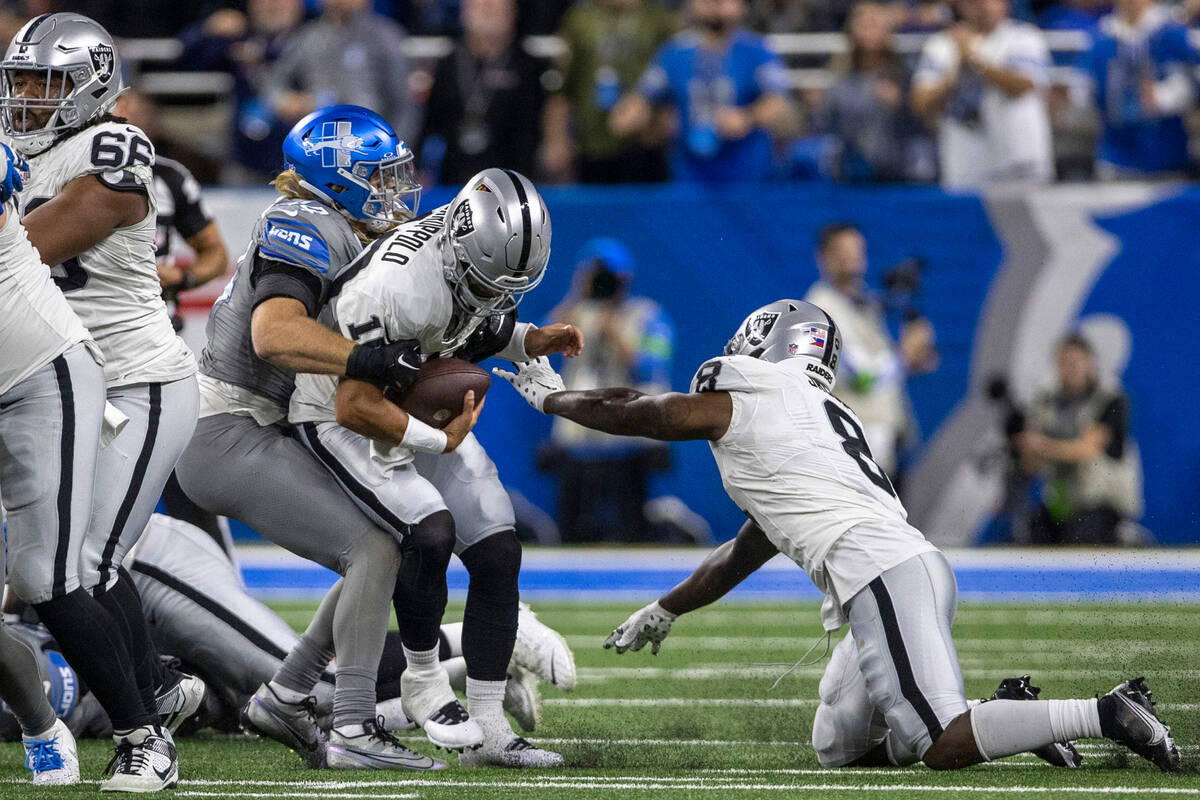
(347, 179)
(90, 211)
(201, 614)
(793, 457)
(52, 411)
(448, 283)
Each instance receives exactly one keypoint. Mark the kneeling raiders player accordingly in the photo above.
(793, 457)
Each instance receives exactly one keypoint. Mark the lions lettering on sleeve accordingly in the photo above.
(294, 242)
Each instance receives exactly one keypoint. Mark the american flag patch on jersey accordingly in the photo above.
(816, 337)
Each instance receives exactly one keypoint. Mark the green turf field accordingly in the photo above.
(700, 719)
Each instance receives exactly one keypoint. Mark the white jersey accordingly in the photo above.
(36, 324)
(114, 286)
(795, 461)
(394, 291)
(985, 136)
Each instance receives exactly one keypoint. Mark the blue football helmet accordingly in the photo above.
(349, 157)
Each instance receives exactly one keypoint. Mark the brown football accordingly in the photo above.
(436, 396)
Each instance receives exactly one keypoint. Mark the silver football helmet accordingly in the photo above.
(75, 78)
(497, 237)
(791, 329)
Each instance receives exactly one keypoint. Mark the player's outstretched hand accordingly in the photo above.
(647, 625)
(557, 338)
(11, 181)
(535, 380)
(457, 429)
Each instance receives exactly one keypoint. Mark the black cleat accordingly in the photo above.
(1127, 717)
(1059, 754)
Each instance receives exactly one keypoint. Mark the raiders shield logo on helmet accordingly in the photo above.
(758, 328)
(463, 223)
(102, 61)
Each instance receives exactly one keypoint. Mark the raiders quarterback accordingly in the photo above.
(445, 284)
(90, 211)
(347, 179)
(793, 457)
(52, 411)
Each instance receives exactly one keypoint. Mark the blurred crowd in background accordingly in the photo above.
(970, 93)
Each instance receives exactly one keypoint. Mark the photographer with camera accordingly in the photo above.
(874, 367)
(602, 478)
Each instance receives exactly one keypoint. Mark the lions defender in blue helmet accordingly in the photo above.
(347, 178)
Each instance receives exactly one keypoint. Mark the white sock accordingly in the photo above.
(485, 698)
(422, 662)
(456, 668)
(285, 694)
(453, 634)
(972, 703)
(1007, 727)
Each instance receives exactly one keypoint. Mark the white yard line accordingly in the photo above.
(733, 702)
(722, 671)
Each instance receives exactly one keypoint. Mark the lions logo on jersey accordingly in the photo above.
(102, 61)
(336, 144)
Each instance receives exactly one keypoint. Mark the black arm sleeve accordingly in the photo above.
(275, 279)
(1115, 417)
(190, 216)
(489, 338)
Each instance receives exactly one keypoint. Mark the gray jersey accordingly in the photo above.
(303, 234)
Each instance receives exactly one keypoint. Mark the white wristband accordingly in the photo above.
(423, 438)
(657, 609)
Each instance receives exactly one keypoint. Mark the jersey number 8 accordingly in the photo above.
(856, 446)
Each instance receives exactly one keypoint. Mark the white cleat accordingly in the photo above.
(429, 701)
(394, 718)
(503, 748)
(180, 701)
(522, 700)
(543, 651)
(374, 748)
(51, 756)
(145, 761)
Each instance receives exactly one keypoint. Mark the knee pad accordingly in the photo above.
(425, 552)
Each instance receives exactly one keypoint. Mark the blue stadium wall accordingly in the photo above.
(1006, 275)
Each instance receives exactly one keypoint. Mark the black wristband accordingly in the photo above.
(366, 363)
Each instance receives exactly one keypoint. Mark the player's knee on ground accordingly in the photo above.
(425, 552)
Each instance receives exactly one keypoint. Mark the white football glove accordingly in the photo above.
(650, 624)
(535, 380)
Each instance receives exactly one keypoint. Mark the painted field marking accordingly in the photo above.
(734, 702)
(338, 795)
(723, 671)
(1044, 646)
(658, 785)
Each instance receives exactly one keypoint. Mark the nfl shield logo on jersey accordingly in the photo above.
(102, 61)
(336, 143)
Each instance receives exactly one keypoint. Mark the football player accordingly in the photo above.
(445, 284)
(793, 457)
(348, 178)
(52, 410)
(90, 210)
(200, 613)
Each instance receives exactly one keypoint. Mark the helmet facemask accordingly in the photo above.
(478, 294)
(393, 193)
(55, 98)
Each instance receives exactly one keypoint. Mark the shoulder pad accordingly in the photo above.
(727, 374)
(293, 241)
(114, 146)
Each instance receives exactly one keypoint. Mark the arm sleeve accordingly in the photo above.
(191, 215)
(498, 336)
(1115, 417)
(276, 279)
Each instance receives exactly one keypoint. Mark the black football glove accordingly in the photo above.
(489, 338)
(391, 365)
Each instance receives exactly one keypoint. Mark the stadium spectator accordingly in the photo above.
(873, 367)
(1077, 437)
(246, 45)
(347, 55)
(485, 103)
(865, 110)
(728, 89)
(602, 478)
(608, 45)
(985, 80)
(1141, 63)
